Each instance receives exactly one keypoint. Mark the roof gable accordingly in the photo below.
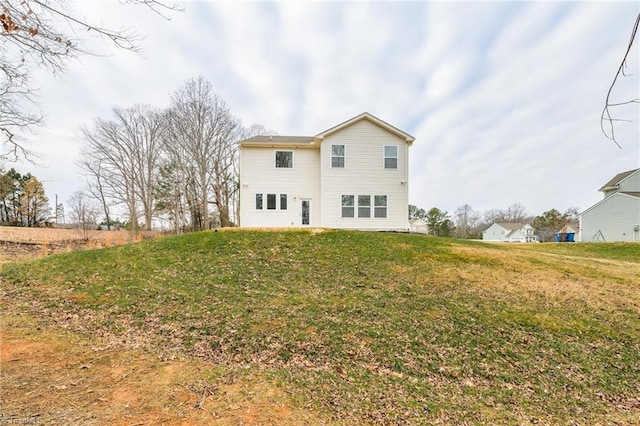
(633, 195)
(613, 183)
(371, 118)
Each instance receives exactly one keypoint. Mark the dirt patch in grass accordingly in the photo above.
(55, 377)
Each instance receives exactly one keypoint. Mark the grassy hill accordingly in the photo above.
(371, 328)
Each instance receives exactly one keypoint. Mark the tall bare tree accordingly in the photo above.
(98, 187)
(202, 137)
(84, 213)
(466, 221)
(515, 213)
(128, 151)
(44, 33)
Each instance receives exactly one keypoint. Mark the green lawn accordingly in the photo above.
(372, 328)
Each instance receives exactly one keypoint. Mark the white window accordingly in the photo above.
(284, 159)
(380, 206)
(337, 156)
(348, 205)
(283, 201)
(390, 157)
(364, 205)
(259, 202)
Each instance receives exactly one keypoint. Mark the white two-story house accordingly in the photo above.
(509, 233)
(353, 175)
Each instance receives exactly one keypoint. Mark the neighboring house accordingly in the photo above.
(617, 216)
(418, 226)
(353, 175)
(510, 233)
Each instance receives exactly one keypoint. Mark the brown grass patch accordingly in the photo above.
(556, 278)
(56, 377)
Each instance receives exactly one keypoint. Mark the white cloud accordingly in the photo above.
(504, 98)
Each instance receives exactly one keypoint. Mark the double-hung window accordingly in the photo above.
(259, 205)
(283, 201)
(364, 205)
(380, 206)
(390, 156)
(337, 156)
(348, 206)
(284, 159)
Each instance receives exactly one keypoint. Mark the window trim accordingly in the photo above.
(376, 207)
(275, 156)
(343, 156)
(384, 157)
(346, 206)
(362, 206)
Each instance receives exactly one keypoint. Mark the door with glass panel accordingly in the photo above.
(305, 211)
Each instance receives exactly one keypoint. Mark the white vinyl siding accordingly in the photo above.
(631, 183)
(258, 176)
(365, 174)
(615, 217)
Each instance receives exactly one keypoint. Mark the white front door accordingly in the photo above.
(305, 212)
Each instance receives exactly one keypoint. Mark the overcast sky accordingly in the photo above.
(504, 98)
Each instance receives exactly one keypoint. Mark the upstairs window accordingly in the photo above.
(380, 206)
(364, 205)
(348, 206)
(337, 156)
(390, 157)
(284, 159)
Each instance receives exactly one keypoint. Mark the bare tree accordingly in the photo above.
(84, 213)
(97, 184)
(515, 213)
(44, 33)
(606, 116)
(465, 220)
(202, 137)
(127, 150)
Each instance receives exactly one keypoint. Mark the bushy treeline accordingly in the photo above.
(22, 200)
(469, 223)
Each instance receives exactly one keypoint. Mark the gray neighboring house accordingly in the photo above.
(617, 216)
(509, 233)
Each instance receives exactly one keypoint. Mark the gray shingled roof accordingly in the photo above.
(617, 178)
(511, 226)
(293, 140)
